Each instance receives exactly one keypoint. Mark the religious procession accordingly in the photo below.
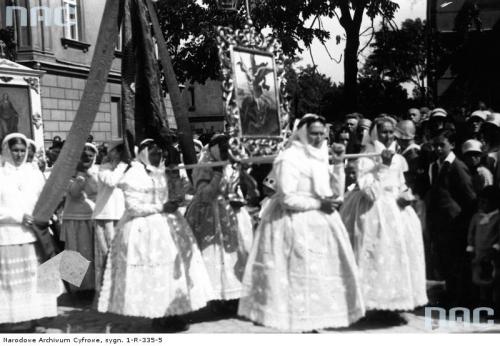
(293, 218)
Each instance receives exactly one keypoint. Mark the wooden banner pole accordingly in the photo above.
(65, 166)
(178, 105)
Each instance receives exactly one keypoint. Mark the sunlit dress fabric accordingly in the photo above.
(387, 240)
(21, 299)
(155, 268)
(301, 274)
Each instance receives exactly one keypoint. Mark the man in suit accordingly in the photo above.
(451, 203)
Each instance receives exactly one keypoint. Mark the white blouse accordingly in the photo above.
(295, 182)
(20, 188)
(110, 203)
(145, 193)
(375, 178)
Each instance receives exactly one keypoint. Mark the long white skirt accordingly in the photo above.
(155, 269)
(416, 255)
(388, 246)
(20, 299)
(301, 274)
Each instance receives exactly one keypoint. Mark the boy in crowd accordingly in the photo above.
(451, 203)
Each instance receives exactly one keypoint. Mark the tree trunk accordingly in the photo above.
(65, 167)
(351, 70)
(178, 105)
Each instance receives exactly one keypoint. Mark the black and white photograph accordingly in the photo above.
(15, 112)
(248, 171)
(256, 93)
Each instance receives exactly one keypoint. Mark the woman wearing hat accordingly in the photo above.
(474, 124)
(20, 186)
(473, 154)
(77, 231)
(109, 206)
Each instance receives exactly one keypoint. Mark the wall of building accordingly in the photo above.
(206, 112)
(60, 101)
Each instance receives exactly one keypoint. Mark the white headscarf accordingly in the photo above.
(92, 168)
(375, 146)
(7, 159)
(318, 159)
(143, 157)
(376, 122)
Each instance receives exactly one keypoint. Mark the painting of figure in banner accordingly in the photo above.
(15, 111)
(256, 93)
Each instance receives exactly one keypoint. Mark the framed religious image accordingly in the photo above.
(256, 109)
(20, 102)
(15, 111)
(257, 95)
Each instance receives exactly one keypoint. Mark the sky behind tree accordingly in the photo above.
(408, 9)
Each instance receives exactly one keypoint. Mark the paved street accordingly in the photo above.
(76, 316)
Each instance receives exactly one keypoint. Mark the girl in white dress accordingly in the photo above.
(385, 231)
(20, 186)
(154, 269)
(301, 274)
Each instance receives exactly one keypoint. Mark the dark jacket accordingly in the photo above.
(417, 176)
(451, 195)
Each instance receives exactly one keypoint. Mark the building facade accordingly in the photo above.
(205, 106)
(58, 38)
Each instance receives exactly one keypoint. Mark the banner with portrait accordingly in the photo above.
(20, 102)
(15, 111)
(255, 103)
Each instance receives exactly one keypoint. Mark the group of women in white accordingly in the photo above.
(306, 267)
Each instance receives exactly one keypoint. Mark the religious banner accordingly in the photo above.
(20, 104)
(255, 102)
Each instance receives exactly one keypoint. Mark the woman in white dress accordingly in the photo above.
(301, 274)
(155, 268)
(385, 231)
(20, 186)
(109, 206)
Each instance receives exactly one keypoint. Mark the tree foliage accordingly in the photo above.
(189, 26)
(311, 92)
(399, 55)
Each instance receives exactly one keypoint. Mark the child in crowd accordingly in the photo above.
(268, 189)
(350, 176)
(473, 153)
(484, 246)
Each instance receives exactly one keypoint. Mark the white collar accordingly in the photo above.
(379, 147)
(450, 159)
